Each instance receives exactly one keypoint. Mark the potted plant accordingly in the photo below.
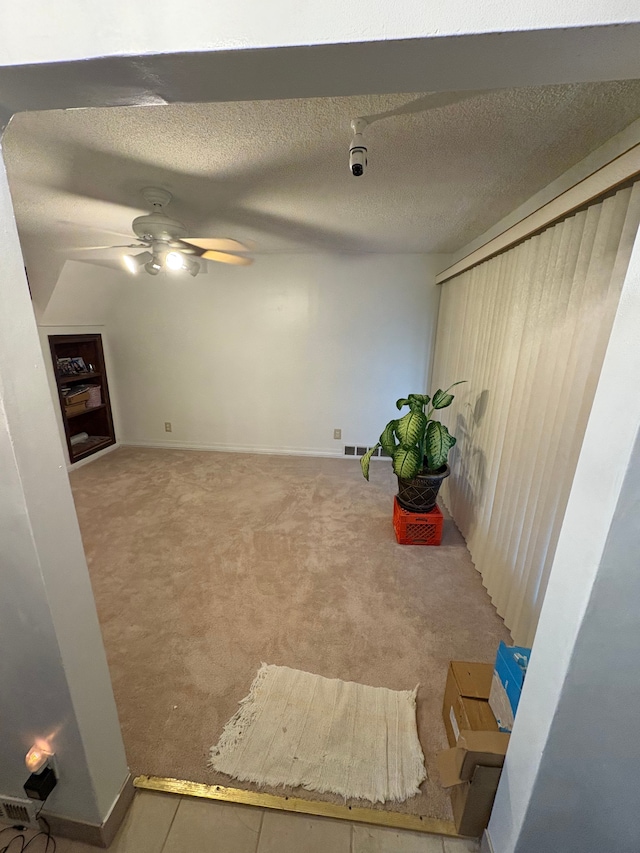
(419, 447)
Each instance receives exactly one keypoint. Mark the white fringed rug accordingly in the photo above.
(325, 735)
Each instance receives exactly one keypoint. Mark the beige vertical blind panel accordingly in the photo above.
(528, 329)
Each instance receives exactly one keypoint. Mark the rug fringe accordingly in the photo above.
(235, 728)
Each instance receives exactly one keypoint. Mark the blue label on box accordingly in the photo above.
(511, 667)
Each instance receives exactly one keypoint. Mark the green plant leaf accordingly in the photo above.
(442, 399)
(387, 439)
(366, 459)
(410, 429)
(438, 443)
(406, 462)
(423, 399)
(401, 402)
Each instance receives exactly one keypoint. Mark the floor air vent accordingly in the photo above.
(18, 812)
(359, 450)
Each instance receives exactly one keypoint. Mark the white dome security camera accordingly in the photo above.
(357, 149)
(357, 160)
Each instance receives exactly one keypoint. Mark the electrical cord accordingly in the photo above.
(21, 837)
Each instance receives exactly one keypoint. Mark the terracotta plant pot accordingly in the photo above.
(419, 494)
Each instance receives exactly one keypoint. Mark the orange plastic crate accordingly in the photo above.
(417, 528)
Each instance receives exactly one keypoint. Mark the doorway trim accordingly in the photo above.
(317, 808)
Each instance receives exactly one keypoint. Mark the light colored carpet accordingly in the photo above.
(326, 735)
(206, 564)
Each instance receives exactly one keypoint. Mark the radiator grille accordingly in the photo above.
(21, 812)
(360, 450)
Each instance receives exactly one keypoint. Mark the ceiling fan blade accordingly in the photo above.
(84, 226)
(100, 248)
(219, 244)
(112, 264)
(225, 258)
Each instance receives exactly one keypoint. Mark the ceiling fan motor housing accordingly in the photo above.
(157, 226)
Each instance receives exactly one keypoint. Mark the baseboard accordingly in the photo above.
(376, 817)
(225, 448)
(94, 834)
(72, 466)
(485, 843)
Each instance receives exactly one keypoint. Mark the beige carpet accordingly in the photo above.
(206, 564)
(296, 729)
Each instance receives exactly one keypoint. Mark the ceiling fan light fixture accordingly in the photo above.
(175, 260)
(191, 266)
(153, 267)
(134, 263)
(131, 264)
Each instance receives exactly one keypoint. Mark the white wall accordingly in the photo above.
(111, 56)
(54, 681)
(122, 27)
(84, 295)
(570, 779)
(272, 357)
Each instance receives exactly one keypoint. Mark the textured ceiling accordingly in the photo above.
(275, 172)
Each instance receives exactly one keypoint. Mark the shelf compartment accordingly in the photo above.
(91, 445)
(76, 377)
(86, 411)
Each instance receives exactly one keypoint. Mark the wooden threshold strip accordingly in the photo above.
(378, 817)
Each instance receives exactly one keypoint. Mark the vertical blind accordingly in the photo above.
(528, 330)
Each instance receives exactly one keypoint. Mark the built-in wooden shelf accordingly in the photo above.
(87, 410)
(92, 445)
(68, 378)
(96, 421)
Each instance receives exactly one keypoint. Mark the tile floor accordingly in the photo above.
(166, 823)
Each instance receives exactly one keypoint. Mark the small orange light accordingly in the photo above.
(36, 759)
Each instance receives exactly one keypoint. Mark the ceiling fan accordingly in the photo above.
(166, 243)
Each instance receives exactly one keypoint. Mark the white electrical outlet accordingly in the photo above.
(337, 433)
(167, 426)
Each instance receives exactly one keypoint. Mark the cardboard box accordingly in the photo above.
(472, 679)
(472, 801)
(75, 408)
(80, 397)
(470, 715)
(506, 685)
(465, 705)
(472, 770)
(457, 764)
